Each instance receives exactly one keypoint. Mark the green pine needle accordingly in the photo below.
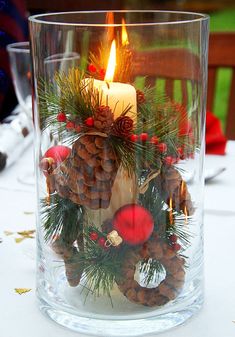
(61, 217)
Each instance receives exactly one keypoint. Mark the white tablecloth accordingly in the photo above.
(19, 315)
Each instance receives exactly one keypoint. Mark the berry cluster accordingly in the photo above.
(173, 242)
(160, 146)
(94, 236)
(92, 69)
(70, 125)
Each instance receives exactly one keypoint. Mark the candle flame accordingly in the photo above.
(170, 211)
(125, 40)
(111, 63)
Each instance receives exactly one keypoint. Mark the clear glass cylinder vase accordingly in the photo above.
(119, 126)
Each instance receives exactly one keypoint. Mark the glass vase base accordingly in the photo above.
(155, 323)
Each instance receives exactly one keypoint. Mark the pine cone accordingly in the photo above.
(86, 177)
(103, 118)
(122, 126)
(140, 97)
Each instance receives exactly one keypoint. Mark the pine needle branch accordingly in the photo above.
(61, 218)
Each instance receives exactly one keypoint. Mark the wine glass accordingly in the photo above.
(53, 64)
(20, 62)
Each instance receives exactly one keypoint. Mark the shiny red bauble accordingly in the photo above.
(58, 153)
(133, 223)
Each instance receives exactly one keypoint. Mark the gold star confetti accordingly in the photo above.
(19, 240)
(27, 233)
(21, 291)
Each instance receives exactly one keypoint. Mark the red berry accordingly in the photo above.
(173, 238)
(144, 137)
(93, 236)
(102, 73)
(61, 117)
(154, 140)
(162, 147)
(91, 68)
(102, 241)
(89, 121)
(78, 128)
(176, 247)
(180, 151)
(169, 160)
(70, 125)
(134, 138)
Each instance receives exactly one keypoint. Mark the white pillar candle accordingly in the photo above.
(118, 96)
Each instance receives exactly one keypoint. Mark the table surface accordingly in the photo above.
(19, 314)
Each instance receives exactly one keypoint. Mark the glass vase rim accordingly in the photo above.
(38, 18)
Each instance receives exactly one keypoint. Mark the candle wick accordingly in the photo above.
(107, 83)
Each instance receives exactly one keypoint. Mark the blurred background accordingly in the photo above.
(13, 28)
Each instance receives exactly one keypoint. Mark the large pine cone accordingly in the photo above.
(86, 177)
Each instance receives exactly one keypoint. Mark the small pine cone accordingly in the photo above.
(122, 126)
(140, 97)
(103, 118)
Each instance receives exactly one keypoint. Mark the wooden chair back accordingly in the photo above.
(185, 66)
(222, 55)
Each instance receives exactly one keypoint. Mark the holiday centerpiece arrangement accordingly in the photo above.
(117, 208)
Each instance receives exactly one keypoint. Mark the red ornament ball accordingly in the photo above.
(133, 223)
(89, 121)
(58, 153)
(61, 117)
(94, 236)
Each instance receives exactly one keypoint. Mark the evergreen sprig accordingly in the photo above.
(166, 221)
(101, 266)
(61, 218)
